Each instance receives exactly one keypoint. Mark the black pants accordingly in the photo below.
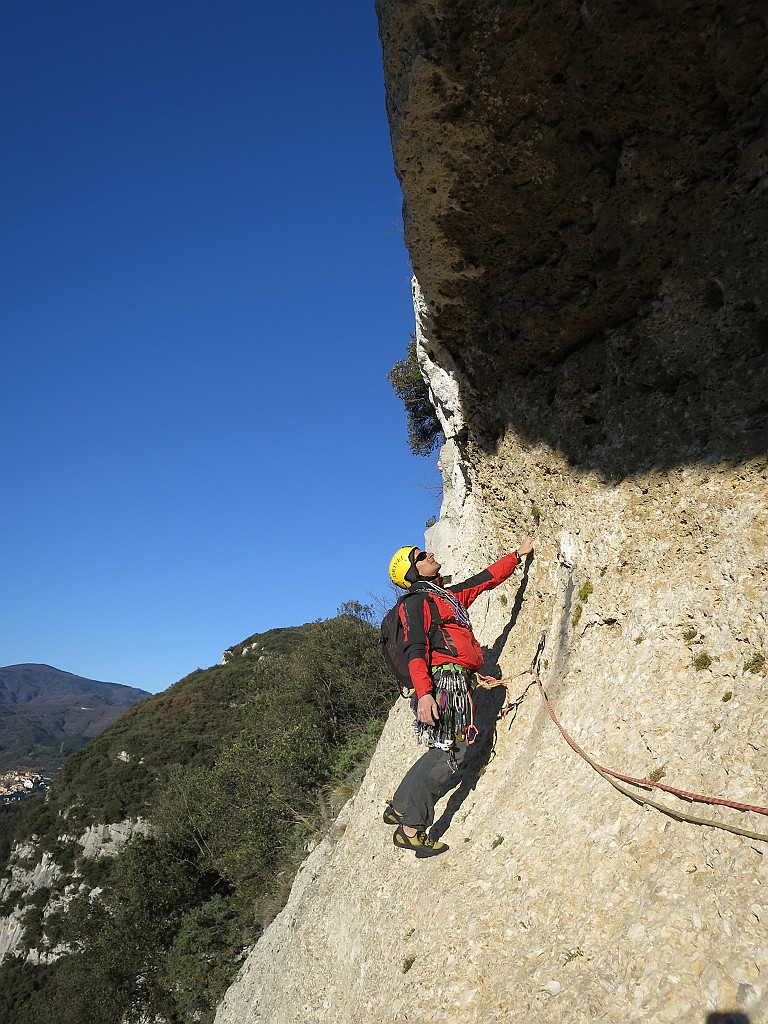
(415, 797)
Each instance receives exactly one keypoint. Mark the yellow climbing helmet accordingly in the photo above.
(400, 565)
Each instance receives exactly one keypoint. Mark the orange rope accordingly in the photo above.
(487, 682)
(646, 783)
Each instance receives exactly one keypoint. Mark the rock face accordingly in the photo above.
(585, 208)
(32, 871)
(29, 872)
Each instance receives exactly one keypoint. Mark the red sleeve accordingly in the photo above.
(420, 677)
(416, 619)
(489, 578)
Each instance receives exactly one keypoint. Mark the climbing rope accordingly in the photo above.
(614, 778)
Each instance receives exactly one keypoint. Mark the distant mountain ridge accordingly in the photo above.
(46, 714)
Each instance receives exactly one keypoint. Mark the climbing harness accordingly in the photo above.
(615, 778)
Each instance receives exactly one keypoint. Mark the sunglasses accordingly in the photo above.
(420, 557)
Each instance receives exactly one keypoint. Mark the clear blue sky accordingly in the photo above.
(204, 285)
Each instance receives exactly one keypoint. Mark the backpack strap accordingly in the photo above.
(428, 597)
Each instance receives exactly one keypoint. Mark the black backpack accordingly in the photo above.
(393, 648)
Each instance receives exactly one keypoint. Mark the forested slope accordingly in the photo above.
(233, 771)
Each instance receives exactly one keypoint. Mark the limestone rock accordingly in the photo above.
(32, 869)
(107, 840)
(585, 209)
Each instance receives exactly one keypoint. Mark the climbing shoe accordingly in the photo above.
(421, 844)
(390, 816)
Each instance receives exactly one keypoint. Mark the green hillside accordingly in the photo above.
(235, 767)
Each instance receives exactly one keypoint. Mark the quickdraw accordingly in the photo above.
(454, 702)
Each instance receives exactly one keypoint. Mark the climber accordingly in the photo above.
(442, 655)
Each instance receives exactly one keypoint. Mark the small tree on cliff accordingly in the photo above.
(424, 433)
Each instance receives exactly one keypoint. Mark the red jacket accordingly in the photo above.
(429, 642)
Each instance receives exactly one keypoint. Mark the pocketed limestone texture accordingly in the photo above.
(585, 208)
(589, 181)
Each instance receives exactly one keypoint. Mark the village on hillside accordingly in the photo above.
(20, 785)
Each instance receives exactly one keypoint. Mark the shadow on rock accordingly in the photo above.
(488, 704)
(620, 317)
(493, 653)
